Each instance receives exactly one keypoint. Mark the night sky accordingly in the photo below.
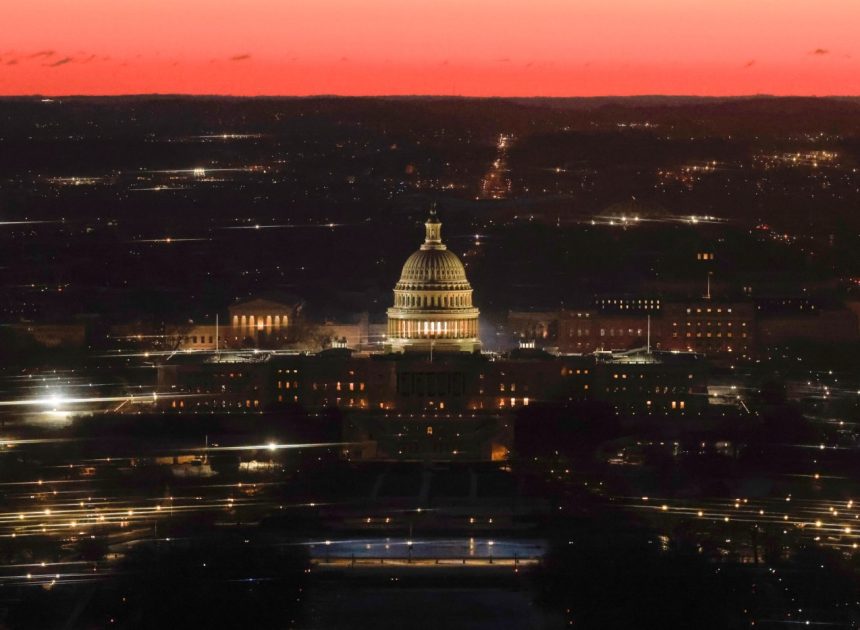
(463, 47)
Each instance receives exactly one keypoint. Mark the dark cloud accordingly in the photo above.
(59, 62)
(244, 57)
(504, 60)
(46, 55)
(344, 59)
(820, 51)
(750, 63)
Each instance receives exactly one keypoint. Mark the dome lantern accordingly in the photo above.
(433, 227)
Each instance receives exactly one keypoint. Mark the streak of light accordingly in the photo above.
(203, 171)
(43, 482)
(170, 239)
(60, 401)
(629, 221)
(229, 136)
(9, 442)
(28, 222)
(273, 446)
(160, 188)
(260, 226)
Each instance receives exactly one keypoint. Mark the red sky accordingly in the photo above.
(466, 47)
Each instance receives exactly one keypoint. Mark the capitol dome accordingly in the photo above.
(433, 300)
(435, 266)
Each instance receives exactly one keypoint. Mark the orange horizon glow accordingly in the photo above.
(432, 47)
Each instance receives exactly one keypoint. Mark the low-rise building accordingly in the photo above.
(386, 396)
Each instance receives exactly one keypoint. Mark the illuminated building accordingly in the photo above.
(710, 327)
(262, 322)
(433, 309)
(459, 406)
(644, 382)
(434, 395)
(624, 304)
(593, 330)
(254, 323)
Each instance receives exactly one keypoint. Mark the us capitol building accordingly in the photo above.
(432, 394)
(433, 308)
